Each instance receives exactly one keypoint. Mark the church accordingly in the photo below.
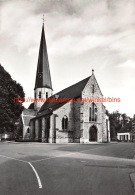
(64, 121)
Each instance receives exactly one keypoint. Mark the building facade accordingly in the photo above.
(68, 116)
(127, 132)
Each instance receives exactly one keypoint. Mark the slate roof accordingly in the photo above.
(126, 128)
(73, 91)
(43, 77)
(31, 106)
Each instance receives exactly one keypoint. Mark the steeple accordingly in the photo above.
(43, 78)
(43, 84)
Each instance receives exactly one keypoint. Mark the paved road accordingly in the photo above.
(72, 169)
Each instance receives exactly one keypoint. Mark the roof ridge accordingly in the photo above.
(69, 86)
(72, 91)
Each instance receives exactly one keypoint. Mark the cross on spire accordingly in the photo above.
(43, 19)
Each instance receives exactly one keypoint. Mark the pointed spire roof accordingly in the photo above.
(43, 77)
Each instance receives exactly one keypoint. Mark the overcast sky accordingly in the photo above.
(81, 35)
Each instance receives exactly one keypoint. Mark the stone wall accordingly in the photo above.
(78, 119)
(73, 133)
(67, 110)
(85, 106)
(62, 136)
(104, 125)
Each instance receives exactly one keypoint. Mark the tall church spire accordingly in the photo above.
(43, 77)
(43, 84)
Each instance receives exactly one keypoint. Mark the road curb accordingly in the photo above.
(42, 143)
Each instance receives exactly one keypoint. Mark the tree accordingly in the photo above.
(117, 121)
(10, 110)
(115, 124)
(107, 113)
(124, 119)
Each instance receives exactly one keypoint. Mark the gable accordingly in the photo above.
(87, 91)
(27, 115)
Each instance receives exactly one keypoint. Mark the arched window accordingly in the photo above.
(64, 122)
(93, 112)
(46, 95)
(39, 94)
(90, 114)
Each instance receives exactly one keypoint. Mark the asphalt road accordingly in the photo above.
(70, 169)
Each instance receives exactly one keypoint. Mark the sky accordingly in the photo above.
(81, 35)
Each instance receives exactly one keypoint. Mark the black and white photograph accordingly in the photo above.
(67, 97)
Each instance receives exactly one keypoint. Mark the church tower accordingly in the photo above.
(43, 84)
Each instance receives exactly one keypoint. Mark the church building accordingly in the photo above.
(59, 119)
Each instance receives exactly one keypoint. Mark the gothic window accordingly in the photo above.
(39, 94)
(28, 130)
(93, 112)
(93, 88)
(90, 114)
(64, 122)
(46, 95)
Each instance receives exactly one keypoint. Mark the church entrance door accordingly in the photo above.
(93, 134)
